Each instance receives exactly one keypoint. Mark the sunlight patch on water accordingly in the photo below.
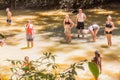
(118, 22)
(102, 11)
(53, 13)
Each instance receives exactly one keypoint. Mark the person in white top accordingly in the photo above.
(93, 29)
(81, 17)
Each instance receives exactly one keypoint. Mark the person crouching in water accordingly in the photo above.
(109, 27)
(93, 29)
(68, 24)
(29, 33)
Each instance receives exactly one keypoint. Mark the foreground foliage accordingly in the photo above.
(45, 68)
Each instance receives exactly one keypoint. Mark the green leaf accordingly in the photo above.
(94, 69)
(54, 66)
(49, 64)
(53, 58)
(80, 67)
(13, 62)
(19, 62)
(11, 69)
(74, 72)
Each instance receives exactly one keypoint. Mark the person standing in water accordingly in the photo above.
(9, 16)
(97, 61)
(109, 27)
(29, 33)
(68, 24)
(81, 17)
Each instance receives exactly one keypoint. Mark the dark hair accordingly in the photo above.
(26, 58)
(97, 53)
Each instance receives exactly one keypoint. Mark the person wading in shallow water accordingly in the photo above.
(93, 29)
(109, 27)
(81, 17)
(97, 61)
(29, 33)
(68, 24)
(9, 16)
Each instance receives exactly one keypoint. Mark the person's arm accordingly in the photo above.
(71, 22)
(23, 64)
(100, 62)
(84, 16)
(76, 19)
(105, 26)
(64, 23)
(32, 29)
(113, 26)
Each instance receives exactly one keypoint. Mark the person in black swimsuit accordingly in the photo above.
(109, 27)
(68, 24)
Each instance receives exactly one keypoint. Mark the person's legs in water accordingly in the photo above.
(107, 35)
(28, 44)
(78, 33)
(109, 39)
(32, 44)
(95, 33)
(92, 33)
(69, 37)
(82, 33)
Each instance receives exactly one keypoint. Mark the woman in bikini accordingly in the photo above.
(109, 27)
(68, 24)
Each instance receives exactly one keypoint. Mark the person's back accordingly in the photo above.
(9, 16)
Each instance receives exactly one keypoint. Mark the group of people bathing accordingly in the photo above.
(28, 28)
(93, 29)
(68, 24)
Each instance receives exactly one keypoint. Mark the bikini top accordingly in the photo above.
(108, 25)
(67, 22)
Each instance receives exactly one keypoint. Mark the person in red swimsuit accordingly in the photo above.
(29, 33)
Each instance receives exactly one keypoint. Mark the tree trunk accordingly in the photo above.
(12, 3)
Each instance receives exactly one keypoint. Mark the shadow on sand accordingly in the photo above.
(24, 48)
(104, 46)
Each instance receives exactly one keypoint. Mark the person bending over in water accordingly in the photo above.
(68, 24)
(93, 29)
(9, 16)
(109, 27)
